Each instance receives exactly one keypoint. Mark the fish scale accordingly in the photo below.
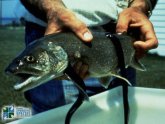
(52, 54)
(101, 57)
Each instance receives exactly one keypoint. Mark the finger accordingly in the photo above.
(79, 28)
(122, 23)
(81, 31)
(140, 53)
(83, 71)
(52, 27)
(147, 45)
(77, 66)
(149, 36)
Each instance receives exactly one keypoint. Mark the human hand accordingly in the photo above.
(134, 18)
(60, 18)
(81, 69)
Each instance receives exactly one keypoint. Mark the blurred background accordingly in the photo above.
(12, 42)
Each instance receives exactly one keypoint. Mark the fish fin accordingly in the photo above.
(86, 97)
(118, 76)
(105, 81)
(137, 65)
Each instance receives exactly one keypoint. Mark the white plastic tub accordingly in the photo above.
(147, 106)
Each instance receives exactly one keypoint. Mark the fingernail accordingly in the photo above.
(119, 33)
(88, 36)
(122, 33)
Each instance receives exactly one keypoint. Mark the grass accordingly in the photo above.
(12, 42)
(154, 77)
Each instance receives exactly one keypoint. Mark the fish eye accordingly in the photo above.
(29, 58)
(18, 61)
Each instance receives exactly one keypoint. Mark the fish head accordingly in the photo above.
(37, 64)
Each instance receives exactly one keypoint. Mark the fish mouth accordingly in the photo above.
(24, 81)
(23, 76)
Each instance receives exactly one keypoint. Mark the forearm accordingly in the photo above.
(145, 6)
(42, 8)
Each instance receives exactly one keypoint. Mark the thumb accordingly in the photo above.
(140, 49)
(77, 26)
(81, 30)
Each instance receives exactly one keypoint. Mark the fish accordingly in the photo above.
(48, 57)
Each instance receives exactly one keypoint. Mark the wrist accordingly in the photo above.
(53, 9)
(143, 5)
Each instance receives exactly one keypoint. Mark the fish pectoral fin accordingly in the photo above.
(118, 76)
(105, 81)
(137, 65)
(86, 97)
(81, 90)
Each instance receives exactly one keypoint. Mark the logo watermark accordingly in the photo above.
(14, 112)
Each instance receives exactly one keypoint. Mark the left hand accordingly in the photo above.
(81, 69)
(134, 18)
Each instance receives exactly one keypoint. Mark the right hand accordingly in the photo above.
(133, 18)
